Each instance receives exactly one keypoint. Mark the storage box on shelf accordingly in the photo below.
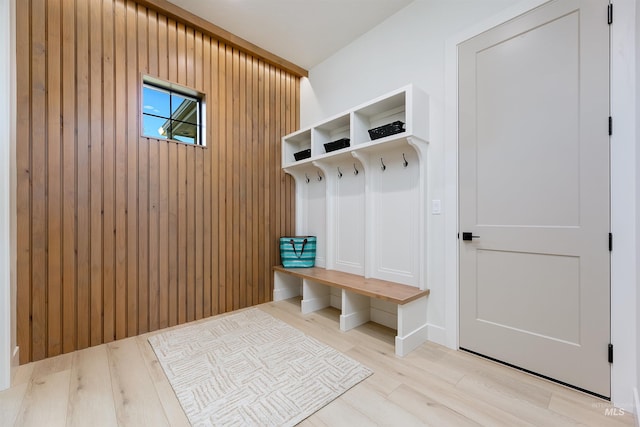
(330, 131)
(366, 203)
(408, 105)
(295, 143)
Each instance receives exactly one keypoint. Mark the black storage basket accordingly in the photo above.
(336, 145)
(386, 130)
(304, 154)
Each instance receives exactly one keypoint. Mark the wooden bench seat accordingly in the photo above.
(374, 288)
(314, 284)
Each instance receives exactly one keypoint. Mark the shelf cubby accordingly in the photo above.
(370, 220)
(294, 143)
(329, 131)
(378, 113)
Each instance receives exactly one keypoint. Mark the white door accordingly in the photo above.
(534, 188)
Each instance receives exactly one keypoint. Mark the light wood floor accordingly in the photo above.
(121, 383)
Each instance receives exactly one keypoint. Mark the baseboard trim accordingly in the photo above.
(15, 362)
(411, 341)
(437, 334)
(636, 399)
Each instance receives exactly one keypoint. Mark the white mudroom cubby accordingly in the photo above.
(366, 203)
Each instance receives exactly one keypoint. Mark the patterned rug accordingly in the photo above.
(249, 368)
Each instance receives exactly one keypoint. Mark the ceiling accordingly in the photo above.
(304, 32)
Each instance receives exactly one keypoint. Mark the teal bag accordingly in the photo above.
(298, 251)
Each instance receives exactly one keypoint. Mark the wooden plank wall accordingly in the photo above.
(119, 234)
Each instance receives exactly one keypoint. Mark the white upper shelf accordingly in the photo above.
(407, 104)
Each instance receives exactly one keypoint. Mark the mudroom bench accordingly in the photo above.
(357, 291)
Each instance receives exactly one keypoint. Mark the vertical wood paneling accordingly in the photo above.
(199, 172)
(220, 165)
(234, 159)
(132, 167)
(121, 170)
(182, 189)
(265, 193)
(163, 188)
(207, 191)
(120, 234)
(230, 171)
(23, 178)
(108, 174)
(95, 159)
(83, 213)
(172, 60)
(173, 234)
(241, 163)
(182, 234)
(38, 181)
(143, 189)
(69, 160)
(256, 193)
(190, 182)
(53, 192)
(213, 142)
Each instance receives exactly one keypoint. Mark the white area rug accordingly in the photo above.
(250, 368)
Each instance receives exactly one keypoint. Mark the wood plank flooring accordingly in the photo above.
(121, 383)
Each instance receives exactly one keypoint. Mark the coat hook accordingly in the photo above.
(307, 176)
(404, 161)
(383, 167)
(339, 172)
(319, 176)
(355, 170)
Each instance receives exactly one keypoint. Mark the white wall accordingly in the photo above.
(415, 46)
(7, 196)
(624, 205)
(637, 135)
(406, 48)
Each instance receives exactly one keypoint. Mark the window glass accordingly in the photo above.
(185, 132)
(184, 109)
(154, 127)
(168, 114)
(156, 101)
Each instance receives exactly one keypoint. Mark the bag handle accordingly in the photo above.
(293, 245)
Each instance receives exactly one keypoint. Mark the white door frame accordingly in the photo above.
(624, 166)
(8, 349)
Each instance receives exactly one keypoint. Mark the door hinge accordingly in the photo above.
(610, 353)
(610, 14)
(610, 242)
(610, 125)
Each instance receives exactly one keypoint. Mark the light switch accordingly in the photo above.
(436, 207)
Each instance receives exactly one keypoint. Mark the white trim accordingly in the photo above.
(437, 334)
(636, 399)
(414, 339)
(624, 166)
(624, 206)
(5, 195)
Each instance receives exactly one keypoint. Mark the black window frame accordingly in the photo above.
(174, 89)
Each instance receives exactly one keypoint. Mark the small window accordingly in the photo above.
(171, 112)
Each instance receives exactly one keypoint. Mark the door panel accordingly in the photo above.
(532, 279)
(534, 176)
(518, 128)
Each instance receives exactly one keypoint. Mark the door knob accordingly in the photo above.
(469, 236)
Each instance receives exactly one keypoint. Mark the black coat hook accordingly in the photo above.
(307, 176)
(404, 161)
(319, 177)
(355, 170)
(383, 166)
(339, 173)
